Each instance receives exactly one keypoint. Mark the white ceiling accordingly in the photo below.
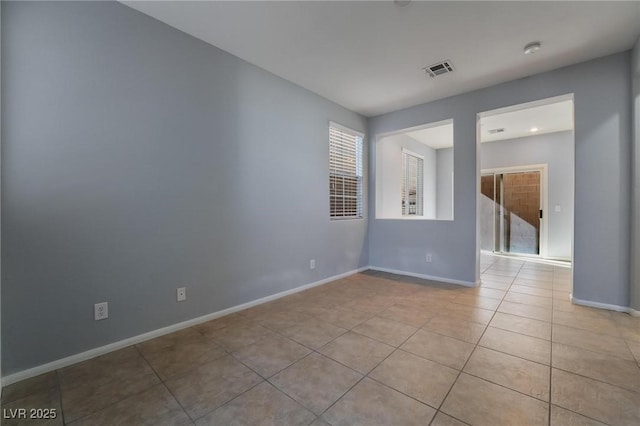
(368, 55)
(549, 118)
(436, 137)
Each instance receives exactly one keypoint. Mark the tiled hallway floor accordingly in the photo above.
(372, 349)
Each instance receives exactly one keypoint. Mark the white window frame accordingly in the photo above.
(404, 194)
(337, 171)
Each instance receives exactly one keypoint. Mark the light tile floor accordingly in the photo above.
(371, 349)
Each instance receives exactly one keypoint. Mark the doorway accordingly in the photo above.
(526, 182)
(514, 220)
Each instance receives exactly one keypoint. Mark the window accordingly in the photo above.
(345, 172)
(412, 184)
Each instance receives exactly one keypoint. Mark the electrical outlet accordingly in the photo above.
(101, 311)
(182, 294)
(428, 257)
(312, 264)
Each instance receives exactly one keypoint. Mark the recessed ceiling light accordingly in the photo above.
(532, 48)
(533, 129)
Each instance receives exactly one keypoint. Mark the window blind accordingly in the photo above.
(412, 185)
(345, 173)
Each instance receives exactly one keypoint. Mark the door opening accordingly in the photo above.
(521, 212)
(515, 215)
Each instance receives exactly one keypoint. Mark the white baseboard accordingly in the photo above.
(92, 353)
(607, 306)
(426, 277)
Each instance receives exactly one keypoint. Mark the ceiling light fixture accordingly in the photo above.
(533, 129)
(532, 48)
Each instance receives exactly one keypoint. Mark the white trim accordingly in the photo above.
(426, 277)
(559, 258)
(445, 122)
(514, 169)
(607, 306)
(92, 353)
(412, 217)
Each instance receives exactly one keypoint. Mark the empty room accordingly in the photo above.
(320, 213)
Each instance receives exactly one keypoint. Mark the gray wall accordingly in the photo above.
(555, 150)
(602, 143)
(635, 159)
(137, 159)
(445, 183)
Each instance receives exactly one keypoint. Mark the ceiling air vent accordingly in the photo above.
(494, 131)
(439, 69)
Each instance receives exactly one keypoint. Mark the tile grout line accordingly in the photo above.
(579, 414)
(264, 379)
(163, 383)
(387, 357)
(59, 388)
(127, 396)
(367, 375)
(464, 341)
(551, 356)
(438, 410)
(233, 399)
(396, 348)
(227, 352)
(475, 346)
(460, 372)
(313, 350)
(551, 404)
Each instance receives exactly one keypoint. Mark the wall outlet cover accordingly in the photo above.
(101, 311)
(182, 294)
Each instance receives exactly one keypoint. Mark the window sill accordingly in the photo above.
(415, 218)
